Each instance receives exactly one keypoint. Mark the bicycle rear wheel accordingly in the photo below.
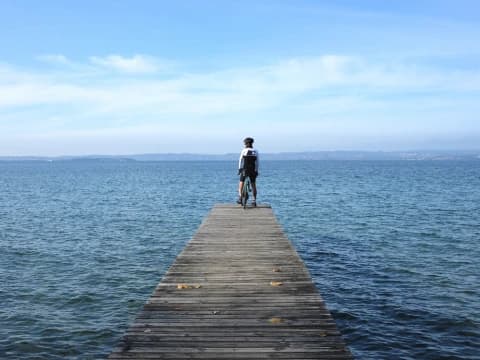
(245, 194)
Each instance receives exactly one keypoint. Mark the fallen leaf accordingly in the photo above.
(187, 286)
(183, 286)
(276, 283)
(275, 320)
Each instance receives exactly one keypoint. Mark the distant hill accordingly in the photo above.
(314, 155)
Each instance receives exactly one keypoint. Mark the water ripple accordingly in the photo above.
(392, 246)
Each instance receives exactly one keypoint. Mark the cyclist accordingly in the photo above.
(248, 166)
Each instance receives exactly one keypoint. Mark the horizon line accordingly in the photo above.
(104, 155)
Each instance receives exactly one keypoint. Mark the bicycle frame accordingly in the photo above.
(246, 189)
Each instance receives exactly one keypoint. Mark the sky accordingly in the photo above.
(131, 77)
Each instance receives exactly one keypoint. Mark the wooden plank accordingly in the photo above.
(238, 290)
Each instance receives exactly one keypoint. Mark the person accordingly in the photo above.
(248, 166)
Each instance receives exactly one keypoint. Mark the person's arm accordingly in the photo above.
(240, 162)
(257, 163)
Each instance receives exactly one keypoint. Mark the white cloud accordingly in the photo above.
(137, 64)
(308, 90)
(55, 59)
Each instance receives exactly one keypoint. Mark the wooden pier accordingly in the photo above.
(238, 290)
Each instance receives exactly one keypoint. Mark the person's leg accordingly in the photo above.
(240, 186)
(254, 188)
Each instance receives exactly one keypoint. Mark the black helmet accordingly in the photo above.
(248, 140)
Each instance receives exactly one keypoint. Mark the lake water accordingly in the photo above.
(392, 246)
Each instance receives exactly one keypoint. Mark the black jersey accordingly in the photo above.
(249, 160)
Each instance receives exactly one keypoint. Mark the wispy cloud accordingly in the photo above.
(237, 89)
(55, 59)
(322, 94)
(137, 64)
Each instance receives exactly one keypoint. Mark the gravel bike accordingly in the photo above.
(246, 191)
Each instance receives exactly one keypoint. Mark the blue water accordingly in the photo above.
(392, 246)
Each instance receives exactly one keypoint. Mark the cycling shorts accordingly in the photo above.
(251, 175)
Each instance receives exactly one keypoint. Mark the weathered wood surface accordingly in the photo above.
(237, 291)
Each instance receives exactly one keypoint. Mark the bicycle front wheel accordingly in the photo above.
(245, 194)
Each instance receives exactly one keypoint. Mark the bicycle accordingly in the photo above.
(246, 190)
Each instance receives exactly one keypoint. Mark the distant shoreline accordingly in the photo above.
(314, 155)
